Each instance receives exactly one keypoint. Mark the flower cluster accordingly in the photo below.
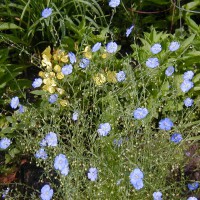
(92, 174)
(136, 178)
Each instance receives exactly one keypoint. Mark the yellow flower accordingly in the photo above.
(60, 91)
(41, 74)
(46, 61)
(51, 89)
(58, 54)
(64, 103)
(57, 68)
(65, 59)
(49, 82)
(104, 55)
(111, 76)
(87, 52)
(47, 53)
(52, 74)
(60, 75)
(99, 79)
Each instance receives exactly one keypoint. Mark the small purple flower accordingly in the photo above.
(176, 138)
(111, 47)
(114, 3)
(37, 82)
(41, 153)
(60, 162)
(84, 63)
(188, 102)
(129, 30)
(21, 109)
(152, 62)
(140, 113)
(72, 57)
(14, 102)
(92, 174)
(75, 116)
(156, 48)
(169, 71)
(96, 47)
(121, 76)
(186, 85)
(174, 46)
(166, 124)
(51, 139)
(46, 12)
(46, 192)
(193, 186)
(157, 196)
(188, 75)
(104, 129)
(53, 98)
(5, 192)
(67, 69)
(5, 143)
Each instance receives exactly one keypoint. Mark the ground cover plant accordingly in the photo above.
(97, 120)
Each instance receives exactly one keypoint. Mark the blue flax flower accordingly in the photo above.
(118, 143)
(72, 57)
(46, 192)
(136, 178)
(21, 109)
(156, 48)
(176, 138)
(188, 75)
(53, 98)
(67, 69)
(188, 102)
(41, 153)
(46, 12)
(5, 192)
(14, 102)
(37, 82)
(192, 198)
(157, 195)
(92, 174)
(104, 129)
(121, 76)
(165, 124)
(140, 113)
(84, 63)
(152, 62)
(60, 162)
(169, 71)
(129, 30)
(43, 143)
(193, 186)
(65, 170)
(174, 46)
(5, 143)
(75, 116)
(96, 47)
(111, 47)
(114, 3)
(51, 139)
(186, 85)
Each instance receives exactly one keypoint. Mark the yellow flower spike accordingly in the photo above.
(47, 53)
(60, 75)
(111, 76)
(57, 68)
(52, 74)
(41, 74)
(60, 91)
(64, 103)
(51, 89)
(99, 79)
(65, 59)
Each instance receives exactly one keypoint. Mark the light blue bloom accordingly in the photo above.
(46, 12)
(174, 46)
(138, 184)
(60, 162)
(114, 3)
(53, 98)
(186, 85)
(14, 102)
(21, 109)
(111, 47)
(188, 75)
(43, 143)
(136, 178)
(41, 153)
(157, 195)
(169, 71)
(188, 102)
(192, 198)
(75, 116)
(46, 192)
(140, 113)
(92, 174)
(176, 138)
(5, 143)
(65, 170)
(67, 69)
(152, 62)
(72, 57)
(51, 139)
(193, 186)
(96, 47)
(165, 124)
(104, 129)
(5, 192)
(156, 48)
(129, 30)
(84, 63)
(37, 82)
(121, 76)
(118, 143)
